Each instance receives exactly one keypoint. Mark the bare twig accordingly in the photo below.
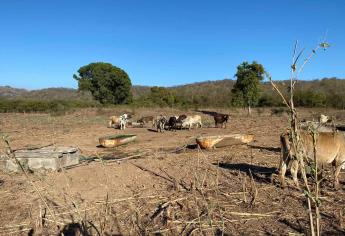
(11, 154)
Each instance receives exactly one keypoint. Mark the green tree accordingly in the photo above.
(246, 89)
(162, 96)
(107, 83)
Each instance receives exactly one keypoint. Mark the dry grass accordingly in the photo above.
(233, 190)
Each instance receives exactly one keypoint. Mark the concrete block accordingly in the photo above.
(48, 158)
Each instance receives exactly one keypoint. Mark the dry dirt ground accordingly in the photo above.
(166, 189)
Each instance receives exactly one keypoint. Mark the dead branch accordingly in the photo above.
(295, 134)
(10, 154)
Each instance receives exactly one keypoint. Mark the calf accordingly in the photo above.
(330, 148)
(221, 119)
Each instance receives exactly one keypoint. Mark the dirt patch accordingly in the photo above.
(172, 188)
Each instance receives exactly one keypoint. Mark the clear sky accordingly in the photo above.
(161, 42)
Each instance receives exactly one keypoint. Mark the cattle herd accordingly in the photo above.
(330, 144)
(161, 122)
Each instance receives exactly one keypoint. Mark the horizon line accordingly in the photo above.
(171, 86)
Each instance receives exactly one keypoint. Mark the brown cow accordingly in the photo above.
(113, 120)
(221, 119)
(330, 148)
(181, 118)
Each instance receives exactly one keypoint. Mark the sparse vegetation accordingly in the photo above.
(52, 106)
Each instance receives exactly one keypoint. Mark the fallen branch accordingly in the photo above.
(135, 197)
(153, 173)
(251, 214)
(163, 206)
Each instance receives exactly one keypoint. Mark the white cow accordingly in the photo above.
(123, 121)
(190, 121)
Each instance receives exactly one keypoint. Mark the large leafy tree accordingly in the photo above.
(246, 90)
(107, 83)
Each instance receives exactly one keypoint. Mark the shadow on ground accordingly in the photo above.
(271, 149)
(259, 173)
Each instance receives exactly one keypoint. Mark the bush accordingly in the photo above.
(54, 106)
(268, 100)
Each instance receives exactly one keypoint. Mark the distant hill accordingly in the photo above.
(9, 92)
(208, 93)
(202, 88)
(44, 94)
(59, 93)
(139, 90)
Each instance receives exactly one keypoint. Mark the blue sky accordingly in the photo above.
(165, 43)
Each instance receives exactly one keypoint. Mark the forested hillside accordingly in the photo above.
(327, 92)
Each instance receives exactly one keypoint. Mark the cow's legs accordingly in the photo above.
(294, 172)
(282, 172)
(336, 174)
(283, 164)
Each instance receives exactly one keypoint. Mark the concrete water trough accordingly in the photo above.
(208, 142)
(47, 158)
(111, 141)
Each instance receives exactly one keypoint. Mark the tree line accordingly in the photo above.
(109, 85)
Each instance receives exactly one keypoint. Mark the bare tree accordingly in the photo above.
(311, 195)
